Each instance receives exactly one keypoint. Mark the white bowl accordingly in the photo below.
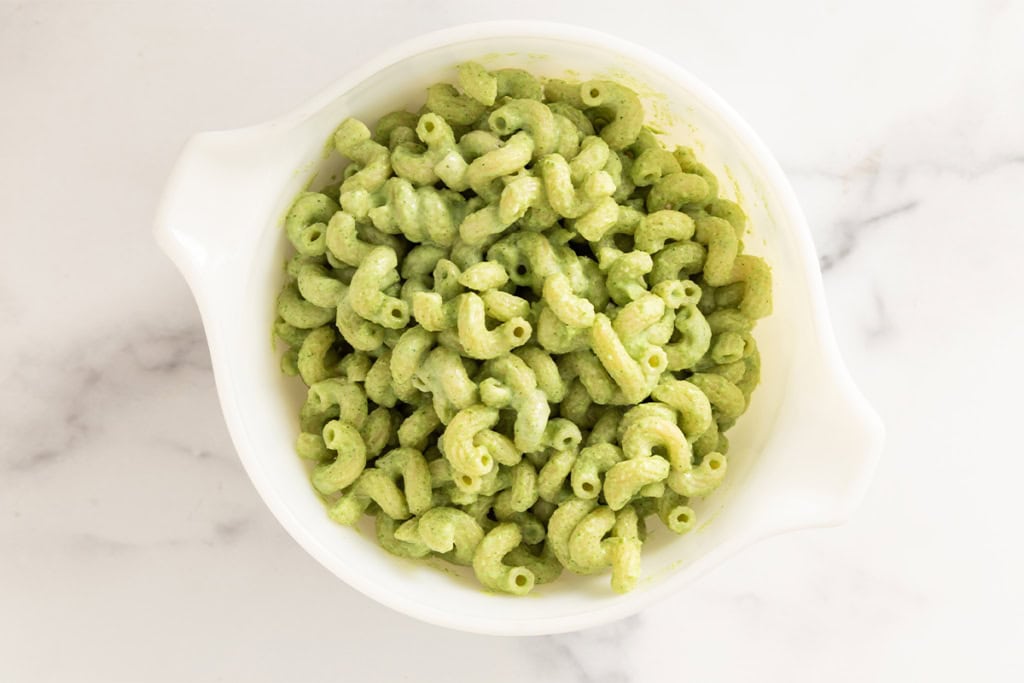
(801, 456)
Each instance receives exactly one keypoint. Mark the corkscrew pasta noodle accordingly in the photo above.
(525, 325)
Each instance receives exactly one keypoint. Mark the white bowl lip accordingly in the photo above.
(782, 191)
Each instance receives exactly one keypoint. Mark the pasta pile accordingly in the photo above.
(525, 326)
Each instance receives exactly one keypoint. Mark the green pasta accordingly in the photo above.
(525, 325)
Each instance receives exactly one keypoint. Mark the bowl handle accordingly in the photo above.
(190, 210)
(831, 446)
(221, 185)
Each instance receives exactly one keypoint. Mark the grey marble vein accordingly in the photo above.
(965, 170)
(850, 231)
(597, 655)
(93, 544)
(870, 171)
(167, 351)
(222, 532)
(873, 213)
(67, 394)
(191, 451)
(229, 531)
(881, 324)
(52, 436)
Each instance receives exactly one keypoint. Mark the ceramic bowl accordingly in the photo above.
(800, 457)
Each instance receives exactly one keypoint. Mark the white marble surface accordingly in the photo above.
(132, 546)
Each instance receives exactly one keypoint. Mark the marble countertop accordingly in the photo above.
(132, 545)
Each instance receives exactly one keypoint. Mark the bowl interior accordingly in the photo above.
(268, 403)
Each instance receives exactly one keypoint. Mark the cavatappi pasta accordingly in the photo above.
(525, 325)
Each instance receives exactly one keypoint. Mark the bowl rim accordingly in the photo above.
(791, 213)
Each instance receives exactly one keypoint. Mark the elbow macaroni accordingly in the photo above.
(525, 326)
